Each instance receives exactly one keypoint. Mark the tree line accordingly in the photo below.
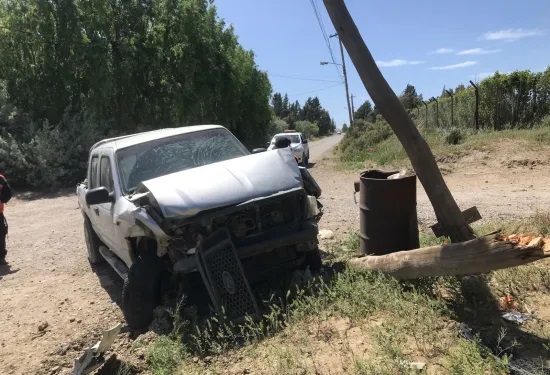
(310, 118)
(73, 72)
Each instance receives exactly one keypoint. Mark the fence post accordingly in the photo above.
(426, 104)
(432, 99)
(476, 112)
(452, 107)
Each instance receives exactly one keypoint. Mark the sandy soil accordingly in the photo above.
(52, 305)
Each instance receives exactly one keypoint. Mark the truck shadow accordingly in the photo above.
(110, 281)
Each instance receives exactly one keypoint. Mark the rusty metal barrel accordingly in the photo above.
(388, 220)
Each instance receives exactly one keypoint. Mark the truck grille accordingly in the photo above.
(261, 216)
(223, 275)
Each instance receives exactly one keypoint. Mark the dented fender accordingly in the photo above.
(146, 225)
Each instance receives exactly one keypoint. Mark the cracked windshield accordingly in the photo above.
(160, 157)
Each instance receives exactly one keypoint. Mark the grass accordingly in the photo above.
(376, 146)
(369, 323)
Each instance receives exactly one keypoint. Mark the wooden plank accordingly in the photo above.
(470, 215)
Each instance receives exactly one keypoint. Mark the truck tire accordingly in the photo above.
(92, 243)
(304, 161)
(141, 292)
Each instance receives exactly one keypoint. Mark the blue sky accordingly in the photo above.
(425, 43)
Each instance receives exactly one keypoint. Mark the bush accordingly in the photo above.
(309, 129)
(361, 137)
(454, 136)
(276, 126)
(54, 156)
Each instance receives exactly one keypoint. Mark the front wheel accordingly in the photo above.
(141, 292)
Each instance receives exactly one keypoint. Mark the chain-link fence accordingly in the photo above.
(517, 100)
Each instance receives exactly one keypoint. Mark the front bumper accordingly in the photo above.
(302, 240)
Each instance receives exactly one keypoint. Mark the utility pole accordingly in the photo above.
(448, 214)
(352, 107)
(345, 78)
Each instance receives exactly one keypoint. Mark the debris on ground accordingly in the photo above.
(92, 359)
(516, 317)
(507, 303)
(301, 278)
(42, 326)
(162, 321)
(326, 234)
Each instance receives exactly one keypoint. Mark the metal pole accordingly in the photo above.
(352, 107)
(476, 113)
(452, 107)
(345, 78)
(426, 105)
(436, 111)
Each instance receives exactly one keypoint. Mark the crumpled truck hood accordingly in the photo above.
(187, 193)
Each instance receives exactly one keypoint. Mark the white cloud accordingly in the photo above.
(397, 62)
(454, 66)
(510, 35)
(441, 51)
(478, 51)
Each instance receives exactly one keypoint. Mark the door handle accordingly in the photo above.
(96, 210)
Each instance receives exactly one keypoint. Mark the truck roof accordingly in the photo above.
(134, 139)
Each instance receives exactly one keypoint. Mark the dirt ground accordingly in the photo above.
(52, 305)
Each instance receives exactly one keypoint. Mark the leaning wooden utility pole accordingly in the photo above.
(422, 159)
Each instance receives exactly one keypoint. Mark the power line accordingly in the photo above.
(302, 78)
(321, 89)
(324, 33)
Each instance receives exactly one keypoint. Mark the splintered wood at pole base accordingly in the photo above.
(480, 255)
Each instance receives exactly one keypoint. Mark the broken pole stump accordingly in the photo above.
(470, 215)
(480, 255)
(422, 159)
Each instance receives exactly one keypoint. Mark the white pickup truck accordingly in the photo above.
(190, 211)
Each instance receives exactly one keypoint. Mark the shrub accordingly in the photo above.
(454, 136)
(54, 156)
(361, 137)
(309, 129)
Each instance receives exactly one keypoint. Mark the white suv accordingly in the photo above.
(298, 144)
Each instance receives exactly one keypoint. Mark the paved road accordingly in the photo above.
(318, 148)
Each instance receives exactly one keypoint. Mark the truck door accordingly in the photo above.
(105, 211)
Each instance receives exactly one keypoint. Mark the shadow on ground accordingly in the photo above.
(477, 307)
(7, 270)
(110, 281)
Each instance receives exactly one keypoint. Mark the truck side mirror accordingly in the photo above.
(98, 196)
(304, 141)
